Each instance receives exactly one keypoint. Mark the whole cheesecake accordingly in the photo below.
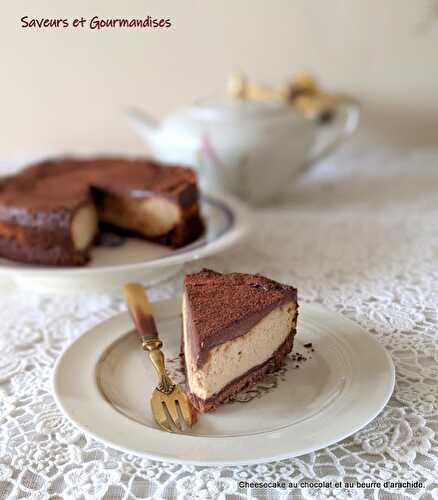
(236, 328)
(50, 212)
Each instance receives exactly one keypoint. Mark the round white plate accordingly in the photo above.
(103, 381)
(226, 220)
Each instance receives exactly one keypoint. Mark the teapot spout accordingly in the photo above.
(142, 123)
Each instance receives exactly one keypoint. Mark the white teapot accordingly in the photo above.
(252, 149)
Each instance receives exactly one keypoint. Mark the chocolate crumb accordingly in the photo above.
(308, 345)
(297, 357)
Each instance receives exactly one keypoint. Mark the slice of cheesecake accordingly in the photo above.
(236, 328)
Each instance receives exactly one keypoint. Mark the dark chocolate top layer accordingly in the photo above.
(221, 307)
(64, 184)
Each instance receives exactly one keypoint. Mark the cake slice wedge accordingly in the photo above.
(236, 328)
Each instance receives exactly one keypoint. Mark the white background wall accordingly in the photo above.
(65, 90)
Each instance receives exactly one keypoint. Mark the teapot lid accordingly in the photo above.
(219, 109)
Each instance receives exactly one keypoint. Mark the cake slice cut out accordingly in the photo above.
(236, 328)
(50, 212)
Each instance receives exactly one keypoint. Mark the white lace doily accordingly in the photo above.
(360, 236)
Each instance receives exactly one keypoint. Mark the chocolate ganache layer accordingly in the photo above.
(244, 299)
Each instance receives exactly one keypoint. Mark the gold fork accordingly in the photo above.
(170, 406)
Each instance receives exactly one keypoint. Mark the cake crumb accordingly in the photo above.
(299, 358)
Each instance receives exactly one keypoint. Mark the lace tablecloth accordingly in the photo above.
(360, 235)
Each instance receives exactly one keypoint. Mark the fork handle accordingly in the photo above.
(165, 384)
(141, 313)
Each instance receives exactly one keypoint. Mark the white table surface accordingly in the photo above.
(360, 235)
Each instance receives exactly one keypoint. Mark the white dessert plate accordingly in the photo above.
(226, 220)
(103, 381)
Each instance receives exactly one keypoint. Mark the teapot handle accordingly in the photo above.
(335, 132)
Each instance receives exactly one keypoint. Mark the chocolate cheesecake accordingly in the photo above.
(50, 213)
(236, 328)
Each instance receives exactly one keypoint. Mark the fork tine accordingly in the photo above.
(160, 415)
(173, 425)
(182, 418)
(170, 406)
(186, 410)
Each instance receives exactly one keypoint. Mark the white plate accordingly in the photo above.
(226, 219)
(102, 383)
